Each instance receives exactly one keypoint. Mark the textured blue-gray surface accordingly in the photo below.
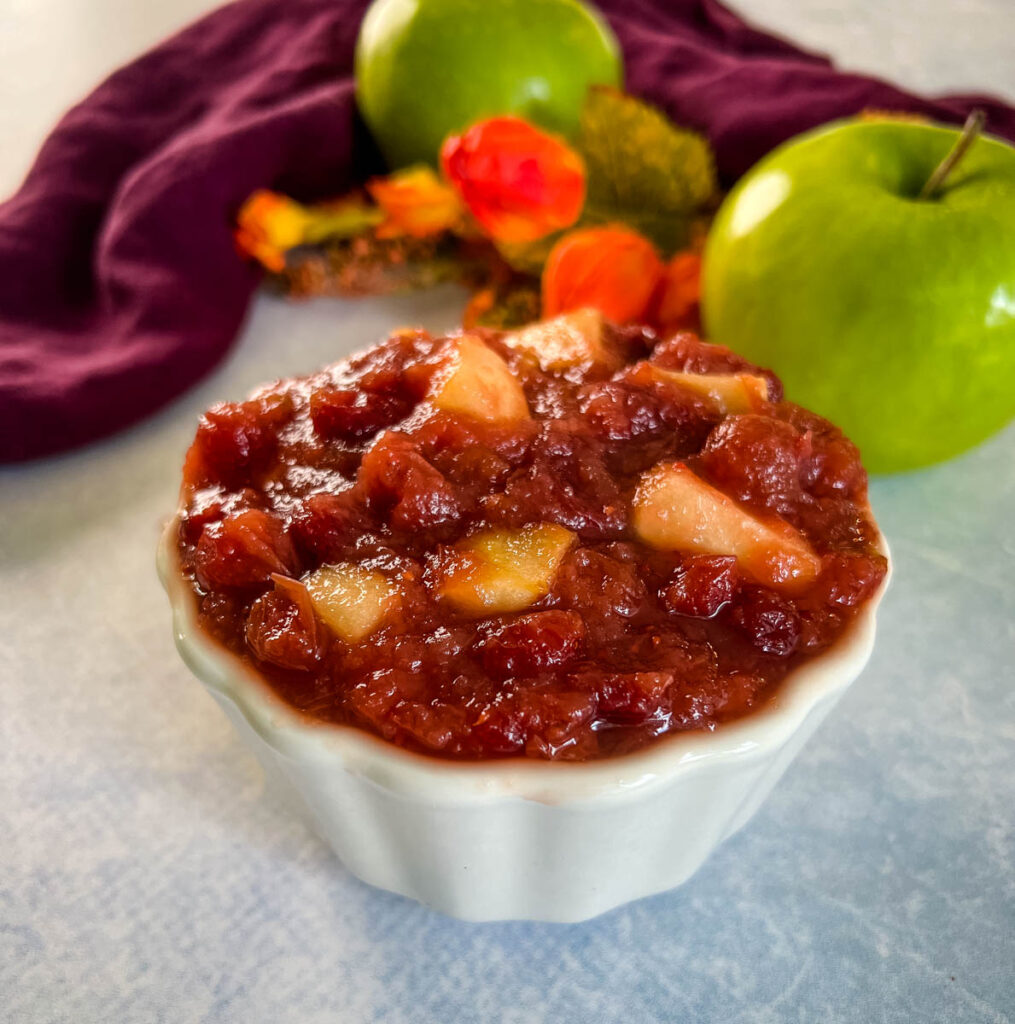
(147, 875)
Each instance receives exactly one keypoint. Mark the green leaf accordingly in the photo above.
(529, 257)
(340, 220)
(643, 170)
(513, 304)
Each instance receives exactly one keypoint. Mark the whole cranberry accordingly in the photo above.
(236, 439)
(532, 643)
(756, 459)
(243, 550)
(701, 586)
(849, 579)
(769, 621)
(284, 632)
(350, 413)
(398, 479)
(325, 526)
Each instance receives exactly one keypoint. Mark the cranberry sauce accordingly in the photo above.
(558, 543)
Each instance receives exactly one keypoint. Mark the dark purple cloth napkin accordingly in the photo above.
(119, 283)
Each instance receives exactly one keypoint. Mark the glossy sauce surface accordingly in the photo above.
(494, 577)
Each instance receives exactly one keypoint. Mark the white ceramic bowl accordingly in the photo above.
(520, 839)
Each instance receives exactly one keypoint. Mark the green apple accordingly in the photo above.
(427, 68)
(889, 313)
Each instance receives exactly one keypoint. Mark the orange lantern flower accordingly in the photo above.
(415, 202)
(520, 183)
(677, 303)
(613, 269)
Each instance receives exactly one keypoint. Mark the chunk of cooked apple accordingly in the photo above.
(675, 510)
(730, 393)
(572, 339)
(351, 600)
(501, 570)
(474, 381)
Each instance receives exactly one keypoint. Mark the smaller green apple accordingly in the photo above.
(427, 68)
(888, 312)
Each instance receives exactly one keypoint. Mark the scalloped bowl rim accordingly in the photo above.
(296, 736)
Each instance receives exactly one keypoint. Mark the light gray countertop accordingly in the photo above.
(146, 874)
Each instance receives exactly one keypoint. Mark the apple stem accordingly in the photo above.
(973, 126)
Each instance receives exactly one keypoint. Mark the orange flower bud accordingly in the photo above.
(677, 306)
(267, 225)
(415, 202)
(613, 269)
(519, 182)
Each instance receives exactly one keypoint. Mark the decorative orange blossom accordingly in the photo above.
(520, 183)
(415, 202)
(612, 269)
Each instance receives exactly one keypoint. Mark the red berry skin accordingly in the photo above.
(325, 526)
(284, 632)
(243, 550)
(351, 413)
(757, 459)
(702, 586)
(532, 643)
(235, 440)
(768, 621)
(414, 495)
